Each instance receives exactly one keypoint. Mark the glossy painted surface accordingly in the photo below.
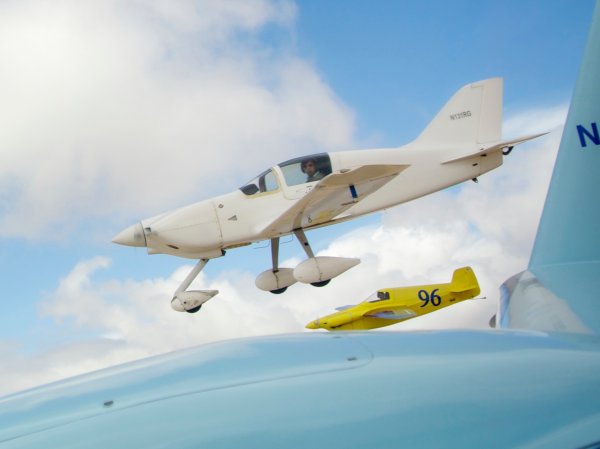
(283, 198)
(492, 389)
(393, 305)
(559, 292)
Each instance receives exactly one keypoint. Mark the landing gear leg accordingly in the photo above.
(190, 277)
(309, 253)
(304, 242)
(191, 301)
(276, 280)
(275, 260)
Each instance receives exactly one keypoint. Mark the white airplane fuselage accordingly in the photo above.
(206, 228)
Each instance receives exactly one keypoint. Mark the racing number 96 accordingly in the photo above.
(432, 297)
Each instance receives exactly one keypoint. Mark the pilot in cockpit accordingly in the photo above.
(309, 167)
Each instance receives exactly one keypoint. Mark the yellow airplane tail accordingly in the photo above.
(465, 282)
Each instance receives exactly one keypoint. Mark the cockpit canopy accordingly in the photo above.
(301, 170)
(379, 295)
(265, 182)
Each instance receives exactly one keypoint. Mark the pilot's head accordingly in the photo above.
(309, 166)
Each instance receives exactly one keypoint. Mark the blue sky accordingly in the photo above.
(116, 111)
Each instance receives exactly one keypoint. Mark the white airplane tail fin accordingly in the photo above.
(472, 115)
(559, 291)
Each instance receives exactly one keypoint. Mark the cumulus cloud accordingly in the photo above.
(489, 226)
(119, 109)
(116, 110)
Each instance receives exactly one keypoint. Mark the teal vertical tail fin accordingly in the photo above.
(569, 228)
(560, 290)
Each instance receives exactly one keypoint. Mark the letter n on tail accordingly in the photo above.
(593, 135)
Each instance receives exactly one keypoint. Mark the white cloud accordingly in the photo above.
(489, 226)
(113, 110)
(124, 108)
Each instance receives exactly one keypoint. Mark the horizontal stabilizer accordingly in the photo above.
(490, 149)
(392, 314)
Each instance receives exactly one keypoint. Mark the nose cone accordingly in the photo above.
(132, 236)
(313, 325)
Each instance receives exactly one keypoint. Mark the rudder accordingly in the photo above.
(464, 280)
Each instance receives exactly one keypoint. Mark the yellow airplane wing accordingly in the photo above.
(341, 308)
(333, 195)
(391, 314)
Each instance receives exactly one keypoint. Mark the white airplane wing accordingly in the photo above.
(333, 195)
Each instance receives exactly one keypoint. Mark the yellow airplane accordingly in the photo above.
(392, 305)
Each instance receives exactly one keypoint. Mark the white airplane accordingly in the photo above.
(461, 143)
